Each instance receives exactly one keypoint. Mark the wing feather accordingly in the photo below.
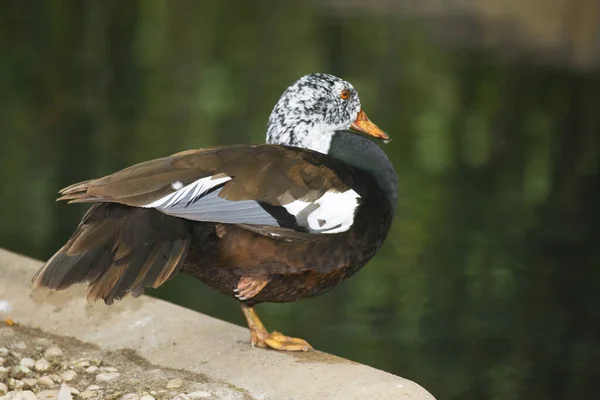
(273, 190)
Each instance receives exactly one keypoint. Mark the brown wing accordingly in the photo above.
(249, 186)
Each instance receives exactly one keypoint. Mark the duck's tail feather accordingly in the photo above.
(118, 250)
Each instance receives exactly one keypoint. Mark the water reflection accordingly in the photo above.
(488, 286)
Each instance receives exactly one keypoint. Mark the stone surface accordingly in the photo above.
(200, 394)
(20, 395)
(170, 336)
(47, 395)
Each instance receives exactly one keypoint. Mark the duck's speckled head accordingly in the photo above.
(313, 109)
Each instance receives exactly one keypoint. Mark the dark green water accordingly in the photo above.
(489, 284)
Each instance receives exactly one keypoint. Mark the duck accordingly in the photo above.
(261, 223)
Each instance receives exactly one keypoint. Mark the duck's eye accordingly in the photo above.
(345, 95)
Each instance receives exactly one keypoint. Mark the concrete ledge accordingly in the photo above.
(173, 337)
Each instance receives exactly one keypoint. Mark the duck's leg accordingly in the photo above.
(248, 287)
(275, 340)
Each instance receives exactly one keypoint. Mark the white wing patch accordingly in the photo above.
(188, 193)
(331, 213)
(176, 185)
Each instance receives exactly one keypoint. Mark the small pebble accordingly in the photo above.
(54, 352)
(107, 376)
(3, 351)
(15, 384)
(87, 394)
(28, 362)
(46, 381)
(147, 397)
(3, 388)
(26, 395)
(181, 396)
(130, 396)
(47, 395)
(109, 369)
(200, 394)
(56, 378)
(174, 383)
(68, 375)
(1, 361)
(93, 387)
(74, 390)
(3, 373)
(42, 365)
(65, 393)
(29, 382)
(91, 370)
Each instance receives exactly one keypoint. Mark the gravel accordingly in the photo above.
(35, 366)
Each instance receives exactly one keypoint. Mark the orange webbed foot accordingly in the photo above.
(260, 337)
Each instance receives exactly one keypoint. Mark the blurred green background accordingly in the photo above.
(489, 284)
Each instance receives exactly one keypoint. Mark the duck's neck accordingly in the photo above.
(365, 155)
(299, 133)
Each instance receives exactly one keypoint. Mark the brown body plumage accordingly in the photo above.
(140, 247)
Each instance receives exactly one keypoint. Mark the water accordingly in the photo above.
(488, 286)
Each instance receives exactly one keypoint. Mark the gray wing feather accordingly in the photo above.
(212, 208)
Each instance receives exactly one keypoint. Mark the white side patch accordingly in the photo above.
(188, 193)
(331, 213)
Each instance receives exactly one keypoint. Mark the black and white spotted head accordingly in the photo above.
(313, 109)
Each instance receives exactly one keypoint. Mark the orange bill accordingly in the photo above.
(364, 125)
